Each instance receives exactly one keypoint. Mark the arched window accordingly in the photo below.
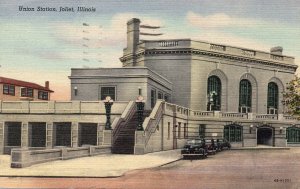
(293, 134)
(245, 96)
(214, 87)
(233, 133)
(272, 98)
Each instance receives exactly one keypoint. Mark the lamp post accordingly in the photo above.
(108, 102)
(212, 102)
(140, 103)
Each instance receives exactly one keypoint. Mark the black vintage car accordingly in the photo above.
(194, 148)
(223, 144)
(211, 146)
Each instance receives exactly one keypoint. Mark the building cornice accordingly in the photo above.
(198, 52)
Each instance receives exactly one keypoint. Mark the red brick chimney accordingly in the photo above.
(47, 84)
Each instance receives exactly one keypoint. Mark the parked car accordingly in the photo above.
(223, 144)
(211, 146)
(194, 149)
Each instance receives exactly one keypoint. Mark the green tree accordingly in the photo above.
(292, 97)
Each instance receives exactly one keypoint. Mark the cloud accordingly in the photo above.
(219, 20)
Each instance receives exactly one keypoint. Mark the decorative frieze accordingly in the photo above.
(168, 43)
(248, 53)
(217, 47)
(276, 57)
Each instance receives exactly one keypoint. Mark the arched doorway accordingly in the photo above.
(265, 136)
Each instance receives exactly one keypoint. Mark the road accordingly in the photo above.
(235, 169)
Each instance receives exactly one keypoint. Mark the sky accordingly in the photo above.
(40, 46)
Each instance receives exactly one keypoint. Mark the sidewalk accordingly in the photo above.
(108, 165)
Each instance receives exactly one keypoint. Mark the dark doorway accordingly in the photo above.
(37, 133)
(88, 134)
(63, 134)
(13, 134)
(265, 136)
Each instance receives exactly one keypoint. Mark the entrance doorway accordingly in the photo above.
(87, 134)
(265, 136)
(12, 136)
(37, 134)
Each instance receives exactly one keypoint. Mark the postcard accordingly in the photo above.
(149, 94)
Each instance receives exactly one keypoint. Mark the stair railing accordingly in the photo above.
(150, 123)
(120, 122)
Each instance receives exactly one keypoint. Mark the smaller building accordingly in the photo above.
(12, 89)
(121, 84)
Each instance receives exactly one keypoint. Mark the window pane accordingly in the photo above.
(108, 91)
(5, 89)
(272, 96)
(29, 92)
(11, 89)
(245, 95)
(226, 133)
(160, 95)
(214, 93)
(153, 98)
(23, 92)
(202, 130)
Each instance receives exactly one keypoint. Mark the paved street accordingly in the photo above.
(233, 169)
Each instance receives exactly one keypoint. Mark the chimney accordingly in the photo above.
(133, 36)
(276, 50)
(47, 84)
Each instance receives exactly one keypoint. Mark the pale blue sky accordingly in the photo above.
(39, 46)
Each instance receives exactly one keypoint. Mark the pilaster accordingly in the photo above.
(24, 135)
(74, 135)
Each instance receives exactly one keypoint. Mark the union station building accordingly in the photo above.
(190, 88)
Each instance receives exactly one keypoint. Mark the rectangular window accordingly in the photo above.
(9, 89)
(159, 95)
(185, 130)
(202, 130)
(166, 98)
(26, 92)
(153, 98)
(169, 130)
(43, 95)
(179, 130)
(108, 91)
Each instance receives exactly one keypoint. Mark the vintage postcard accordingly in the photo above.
(149, 94)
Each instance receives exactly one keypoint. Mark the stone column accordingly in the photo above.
(107, 136)
(24, 135)
(49, 135)
(2, 137)
(74, 135)
(100, 127)
(139, 146)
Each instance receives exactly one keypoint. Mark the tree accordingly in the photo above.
(291, 97)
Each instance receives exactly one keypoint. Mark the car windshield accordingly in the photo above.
(193, 141)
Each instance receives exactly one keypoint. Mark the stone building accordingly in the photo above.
(191, 89)
(234, 82)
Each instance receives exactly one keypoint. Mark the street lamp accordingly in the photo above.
(140, 103)
(213, 100)
(108, 102)
(280, 130)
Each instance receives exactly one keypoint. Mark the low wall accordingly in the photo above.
(24, 157)
(293, 144)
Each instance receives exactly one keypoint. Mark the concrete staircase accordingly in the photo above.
(124, 143)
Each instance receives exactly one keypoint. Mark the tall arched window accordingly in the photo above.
(245, 96)
(214, 92)
(272, 98)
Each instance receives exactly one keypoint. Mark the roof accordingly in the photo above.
(20, 83)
